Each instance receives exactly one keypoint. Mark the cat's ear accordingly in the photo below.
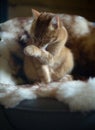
(35, 13)
(54, 24)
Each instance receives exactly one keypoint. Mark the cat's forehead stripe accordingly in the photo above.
(42, 25)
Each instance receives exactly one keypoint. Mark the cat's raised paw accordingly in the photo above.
(32, 50)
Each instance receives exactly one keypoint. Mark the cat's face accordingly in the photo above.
(46, 28)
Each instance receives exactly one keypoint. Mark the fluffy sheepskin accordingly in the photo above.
(80, 96)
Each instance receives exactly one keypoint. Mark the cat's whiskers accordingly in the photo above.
(44, 47)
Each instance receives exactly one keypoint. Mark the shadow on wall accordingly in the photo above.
(3, 10)
(80, 7)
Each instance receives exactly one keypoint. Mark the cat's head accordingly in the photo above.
(47, 28)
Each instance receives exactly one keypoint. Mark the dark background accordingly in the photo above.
(18, 8)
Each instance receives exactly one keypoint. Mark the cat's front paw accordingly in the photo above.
(66, 78)
(32, 50)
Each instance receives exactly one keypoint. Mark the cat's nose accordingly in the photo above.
(36, 43)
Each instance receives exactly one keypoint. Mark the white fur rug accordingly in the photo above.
(80, 96)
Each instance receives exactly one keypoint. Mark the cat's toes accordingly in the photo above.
(66, 78)
(32, 50)
(27, 51)
(45, 90)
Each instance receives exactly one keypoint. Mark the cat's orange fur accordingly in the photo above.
(46, 57)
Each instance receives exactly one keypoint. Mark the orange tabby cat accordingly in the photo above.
(46, 57)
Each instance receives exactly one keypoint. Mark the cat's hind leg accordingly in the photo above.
(46, 74)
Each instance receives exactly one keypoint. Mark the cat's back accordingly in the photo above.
(76, 25)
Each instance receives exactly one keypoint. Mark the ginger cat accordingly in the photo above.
(47, 58)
